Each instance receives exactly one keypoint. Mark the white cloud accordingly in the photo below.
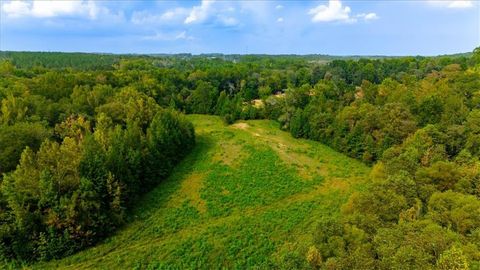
(336, 12)
(227, 21)
(333, 12)
(280, 19)
(51, 8)
(143, 17)
(209, 10)
(456, 4)
(260, 11)
(200, 13)
(174, 13)
(460, 4)
(368, 16)
(371, 16)
(169, 36)
(183, 35)
(279, 7)
(16, 8)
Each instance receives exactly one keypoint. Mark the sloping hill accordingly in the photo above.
(248, 195)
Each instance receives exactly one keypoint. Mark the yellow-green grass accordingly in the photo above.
(248, 196)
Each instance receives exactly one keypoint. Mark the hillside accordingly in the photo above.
(248, 195)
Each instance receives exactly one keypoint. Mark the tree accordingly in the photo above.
(13, 110)
(441, 176)
(472, 127)
(299, 124)
(452, 259)
(169, 137)
(15, 138)
(412, 245)
(264, 91)
(314, 258)
(201, 99)
(75, 127)
(129, 105)
(476, 55)
(456, 211)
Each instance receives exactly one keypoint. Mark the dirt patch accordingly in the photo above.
(230, 154)
(190, 190)
(258, 103)
(241, 126)
(339, 184)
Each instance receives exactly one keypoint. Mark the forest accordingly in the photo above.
(83, 137)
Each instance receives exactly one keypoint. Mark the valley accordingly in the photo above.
(248, 195)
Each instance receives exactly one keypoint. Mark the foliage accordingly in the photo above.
(95, 137)
(74, 158)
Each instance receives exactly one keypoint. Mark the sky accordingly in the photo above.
(335, 27)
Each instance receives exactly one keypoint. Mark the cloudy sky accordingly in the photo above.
(339, 27)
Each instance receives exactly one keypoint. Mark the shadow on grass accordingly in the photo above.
(160, 195)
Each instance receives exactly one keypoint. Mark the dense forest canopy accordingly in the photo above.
(75, 153)
(82, 136)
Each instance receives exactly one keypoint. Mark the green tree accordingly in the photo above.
(452, 259)
(455, 211)
(299, 124)
(15, 138)
(202, 98)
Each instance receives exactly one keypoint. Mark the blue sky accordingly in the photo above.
(337, 27)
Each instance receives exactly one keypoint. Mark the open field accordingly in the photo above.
(248, 195)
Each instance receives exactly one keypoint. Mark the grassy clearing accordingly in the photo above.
(248, 196)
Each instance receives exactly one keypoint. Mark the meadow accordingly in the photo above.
(248, 196)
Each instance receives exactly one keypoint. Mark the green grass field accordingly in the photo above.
(248, 196)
